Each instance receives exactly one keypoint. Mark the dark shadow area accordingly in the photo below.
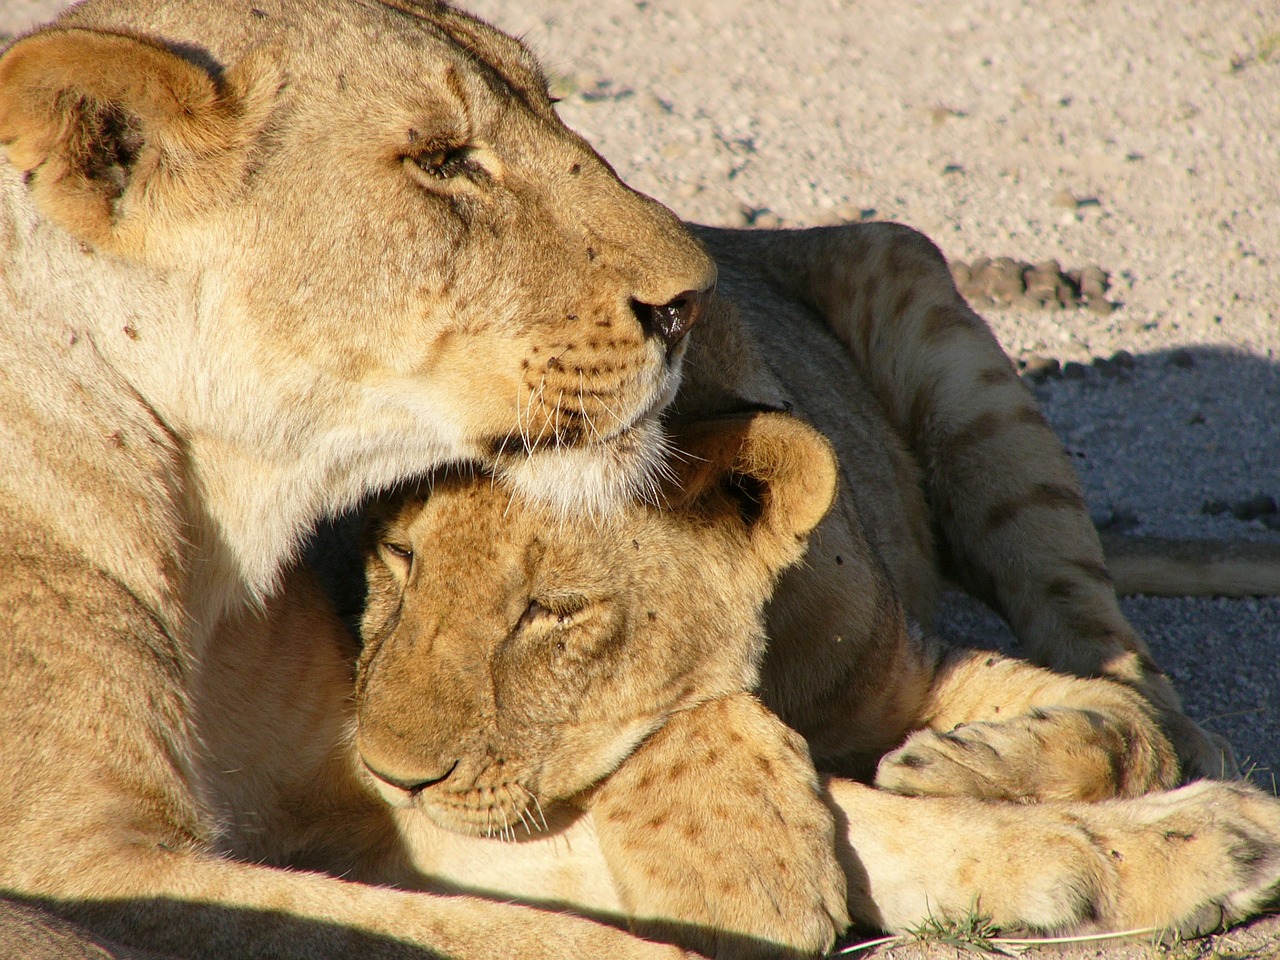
(33, 928)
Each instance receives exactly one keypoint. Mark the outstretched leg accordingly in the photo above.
(1190, 860)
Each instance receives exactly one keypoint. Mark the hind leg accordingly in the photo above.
(1013, 520)
(1001, 729)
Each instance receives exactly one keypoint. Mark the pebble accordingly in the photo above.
(1181, 358)
(761, 217)
(1124, 360)
(1121, 520)
(1105, 367)
(1074, 371)
(1259, 505)
(1038, 369)
(1065, 199)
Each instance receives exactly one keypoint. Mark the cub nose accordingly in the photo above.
(672, 320)
(413, 784)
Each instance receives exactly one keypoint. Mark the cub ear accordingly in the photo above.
(768, 475)
(112, 131)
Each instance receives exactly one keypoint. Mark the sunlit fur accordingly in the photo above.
(233, 303)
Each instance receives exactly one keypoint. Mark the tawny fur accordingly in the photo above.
(258, 262)
(504, 725)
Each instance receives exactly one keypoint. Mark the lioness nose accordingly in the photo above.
(414, 785)
(672, 320)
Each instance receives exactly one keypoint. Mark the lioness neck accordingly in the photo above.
(149, 417)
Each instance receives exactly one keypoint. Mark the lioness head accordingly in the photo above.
(357, 240)
(511, 654)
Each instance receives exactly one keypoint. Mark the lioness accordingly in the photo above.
(258, 261)
(582, 688)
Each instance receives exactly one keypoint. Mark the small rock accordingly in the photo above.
(1121, 520)
(1215, 508)
(761, 217)
(1075, 371)
(1041, 284)
(1181, 358)
(1005, 281)
(1105, 367)
(1124, 360)
(1259, 505)
(1093, 282)
(1038, 369)
(1065, 199)
(960, 272)
(1101, 307)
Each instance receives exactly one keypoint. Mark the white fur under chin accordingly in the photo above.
(595, 480)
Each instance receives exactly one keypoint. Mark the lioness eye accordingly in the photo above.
(444, 162)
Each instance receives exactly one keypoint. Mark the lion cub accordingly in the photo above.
(579, 686)
(557, 712)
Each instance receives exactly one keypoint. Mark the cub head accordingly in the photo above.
(513, 657)
(394, 253)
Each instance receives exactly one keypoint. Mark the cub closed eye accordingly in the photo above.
(399, 551)
(552, 613)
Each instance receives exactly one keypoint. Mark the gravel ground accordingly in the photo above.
(1142, 138)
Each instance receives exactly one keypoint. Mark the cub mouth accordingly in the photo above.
(506, 811)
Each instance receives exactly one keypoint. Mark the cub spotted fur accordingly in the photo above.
(579, 733)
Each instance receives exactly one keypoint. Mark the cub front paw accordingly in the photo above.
(719, 840)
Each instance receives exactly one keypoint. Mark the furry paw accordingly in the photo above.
(719, 840)
(1045, 754)
(1192, 859)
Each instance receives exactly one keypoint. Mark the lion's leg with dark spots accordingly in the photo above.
(1191, 860)
(718, 839)
(1002, 729)
(1014, 527)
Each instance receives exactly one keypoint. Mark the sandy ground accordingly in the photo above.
(1142, 137)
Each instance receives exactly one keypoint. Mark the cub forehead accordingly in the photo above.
(473, 518)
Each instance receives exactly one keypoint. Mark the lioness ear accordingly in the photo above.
(768, 473)
(112, 131)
